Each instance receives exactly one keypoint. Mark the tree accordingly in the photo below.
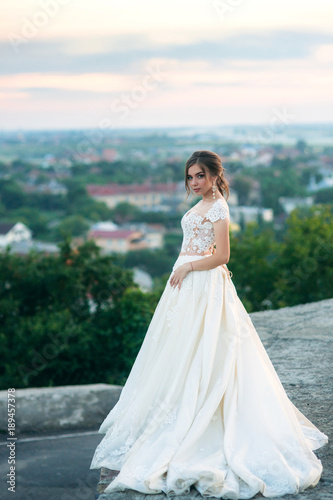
(124, 212)
(50, 314)
(74, 225)
(301, 146)
(253, 263)
(11, 194)
(306, 260)
(279, 181)
(130, 322)
(154, 262)
(172, 243)
(31, 217)
(242, 185)
(324, 196)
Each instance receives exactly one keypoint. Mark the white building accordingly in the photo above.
(19, 237)
(105, 226)
(250, 214)
(325, 182)
(288, 204)
(143, 279)
(14, 232)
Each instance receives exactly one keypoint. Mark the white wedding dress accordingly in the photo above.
(203, 404)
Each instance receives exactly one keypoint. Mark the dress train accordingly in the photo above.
(204, 406)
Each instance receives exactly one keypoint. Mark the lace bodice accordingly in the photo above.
(198, 230)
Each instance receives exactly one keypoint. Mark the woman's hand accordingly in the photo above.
(179, 274)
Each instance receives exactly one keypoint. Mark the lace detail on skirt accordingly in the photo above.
(204, 406)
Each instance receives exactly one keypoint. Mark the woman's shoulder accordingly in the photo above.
(218, 210)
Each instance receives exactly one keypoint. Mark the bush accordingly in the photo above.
(74, 318)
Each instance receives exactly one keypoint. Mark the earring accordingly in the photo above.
(214, 189)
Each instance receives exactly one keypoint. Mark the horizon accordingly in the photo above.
(168, 127)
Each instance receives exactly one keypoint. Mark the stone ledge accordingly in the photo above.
(60, 408)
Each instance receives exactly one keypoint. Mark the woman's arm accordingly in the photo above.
(219, 258)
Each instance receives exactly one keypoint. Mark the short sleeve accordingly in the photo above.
(219, 210)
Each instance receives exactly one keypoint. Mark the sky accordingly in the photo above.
(111, 64)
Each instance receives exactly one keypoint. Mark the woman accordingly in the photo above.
(203, 404)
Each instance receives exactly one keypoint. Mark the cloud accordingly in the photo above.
(74, 56)
(51, 93)
(127, 53)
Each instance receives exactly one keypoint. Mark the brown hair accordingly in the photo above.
(211, 164)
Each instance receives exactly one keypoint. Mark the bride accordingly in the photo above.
(203, 405)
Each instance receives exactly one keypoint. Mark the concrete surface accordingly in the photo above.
(60, 408)
(52, 466)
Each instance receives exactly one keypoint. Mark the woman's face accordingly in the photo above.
(198, 181)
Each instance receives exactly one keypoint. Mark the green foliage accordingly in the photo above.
(31, 217)
(11, 194)
(172, 243)
(171, 170)
(154, 262)
(169, 220)
(301, 145)
(124, 212)
(306, 257)
(253, 264)
(130, 321)
(74, 225)
(242, 185)
(61, 315)
(269, 274)
(324, 196)
(78, 202)
(280, 180)
(119, 172)
(36, 210)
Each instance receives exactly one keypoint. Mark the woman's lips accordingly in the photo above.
(196, 190)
